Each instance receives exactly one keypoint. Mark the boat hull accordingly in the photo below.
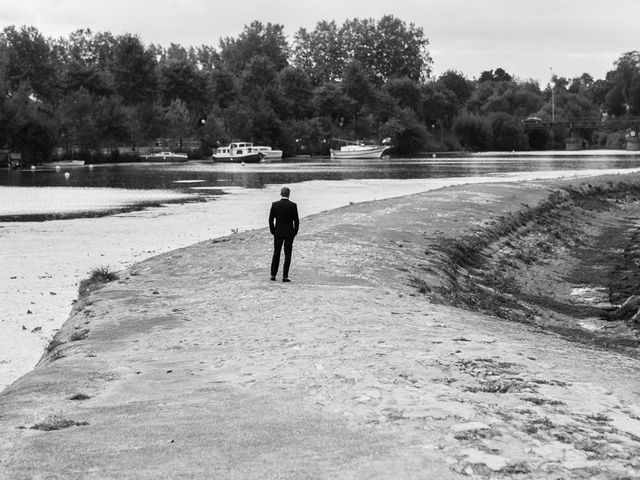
(376, 151)
(272, 156)
(248, 158)
(167, 157)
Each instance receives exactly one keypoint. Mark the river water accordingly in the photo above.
(56, 228)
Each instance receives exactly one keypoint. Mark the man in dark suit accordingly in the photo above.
(283, 223)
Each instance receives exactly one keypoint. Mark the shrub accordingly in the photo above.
(507, 133)
(473, 132)
(57, 422)
(98, 277)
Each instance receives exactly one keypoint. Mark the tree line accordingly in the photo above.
(363, 79)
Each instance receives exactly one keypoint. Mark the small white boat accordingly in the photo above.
(269, 153)
(165, 157)
(238, 152)
(64, 164)
(360, 150)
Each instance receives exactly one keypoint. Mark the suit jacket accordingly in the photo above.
(283, 218)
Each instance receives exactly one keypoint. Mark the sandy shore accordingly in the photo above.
(194, 365)
(43, 262)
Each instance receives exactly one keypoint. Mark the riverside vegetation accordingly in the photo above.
(100, 97)
(524, 266)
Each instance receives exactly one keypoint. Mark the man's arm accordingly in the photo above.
(296, 220)
(272, 218)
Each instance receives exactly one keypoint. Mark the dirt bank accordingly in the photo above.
(195, 365)
(566, 264)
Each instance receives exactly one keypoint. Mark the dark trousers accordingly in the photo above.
(278, 241)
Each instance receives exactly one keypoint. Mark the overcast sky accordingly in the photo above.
(526, 38)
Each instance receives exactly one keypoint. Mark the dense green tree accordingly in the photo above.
(520, 99)
(634, 95)
(32, 129)
(330, 101)
(112, 120)
(627, 67)
(499, 75)
(358, 85)
(76, 120)
(5, 114)
(615, 102)
(134, 71)
(258, 74)
(458, 84)
(507, 133)
(84, 59)
(310, 136)
(581, 84)
(256, 39)
(440, 105)
(320, 52)
(30, 61)
(363, 79)
(181, 80)
(406, 93)
(473, 132)
(178, 120)
(401, 50)
(386, 48)
(406, 132)
(223, 87)
(146, 123)
(298, 91)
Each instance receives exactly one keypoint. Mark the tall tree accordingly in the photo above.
(134, 71)
(297, 89)
(85, 64)
(401, 50)
(180, 79)
(386, 48)
(178, 120)
(320, 52)
(406, 92)
(30, 61)
(257, 39)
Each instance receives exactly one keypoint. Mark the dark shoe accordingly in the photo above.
(273, 279)
(286, 280)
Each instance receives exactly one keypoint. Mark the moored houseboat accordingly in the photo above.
(238, 152)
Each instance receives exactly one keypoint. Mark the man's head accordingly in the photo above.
(285, 192)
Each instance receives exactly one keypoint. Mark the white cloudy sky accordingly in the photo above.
(526, 38)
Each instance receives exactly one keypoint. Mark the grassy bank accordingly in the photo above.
(522, 266)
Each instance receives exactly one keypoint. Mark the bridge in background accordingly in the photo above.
(617, 123)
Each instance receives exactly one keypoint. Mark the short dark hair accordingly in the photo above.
(285, 192)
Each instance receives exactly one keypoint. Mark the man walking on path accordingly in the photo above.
(283, 224)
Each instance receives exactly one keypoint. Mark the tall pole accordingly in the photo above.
(553, 97)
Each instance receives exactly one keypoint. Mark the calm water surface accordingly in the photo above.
(184, 176)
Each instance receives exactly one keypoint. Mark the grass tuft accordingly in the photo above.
(79, 335)
(79, 396)
(56, 422)
(98, 277)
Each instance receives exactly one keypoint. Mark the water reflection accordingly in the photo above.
(177, 176)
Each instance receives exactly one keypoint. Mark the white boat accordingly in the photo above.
(360, 150)
(238, 152)
(269, 153)
(165, 157)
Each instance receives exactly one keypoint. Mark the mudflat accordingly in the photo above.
(427, 336)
